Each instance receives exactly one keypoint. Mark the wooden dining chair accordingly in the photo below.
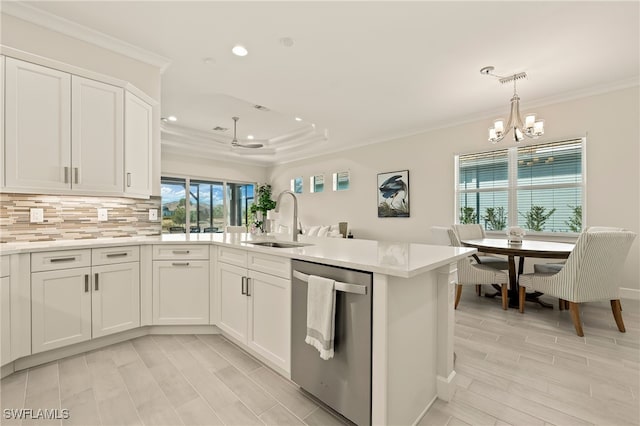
(592, 272)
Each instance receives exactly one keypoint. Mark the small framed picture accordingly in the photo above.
(393, 194)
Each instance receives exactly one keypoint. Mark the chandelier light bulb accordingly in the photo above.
(529, 121)
(498, 125)
(538, 128)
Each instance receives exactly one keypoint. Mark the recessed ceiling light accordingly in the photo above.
(239, 50)
(250, 137)
(164, 119)
(298, 119)
(208, 61)
(172, 118)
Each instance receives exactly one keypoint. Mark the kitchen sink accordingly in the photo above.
(277, 244)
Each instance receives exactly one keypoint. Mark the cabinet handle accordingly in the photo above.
(97, 275)
(86, 283)
(180, 264)
(128, 180)
(248, 286)
(244, 285)
(75, 175)
(116, 254)
(66, 174)
(62, 259)
(180, 251)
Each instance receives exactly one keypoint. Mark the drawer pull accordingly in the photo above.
(117, 254)
(180, 264)
(128, 180)
(62, 259)
(243, 288)
(66, 174)
(96, 281)
(248, 286)
(180, 251)
(86, 283)
(75, 175)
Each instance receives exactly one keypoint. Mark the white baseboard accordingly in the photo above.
(445, 386)
(424, 412)
(629, 293)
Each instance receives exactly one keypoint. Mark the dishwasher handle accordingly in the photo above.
(339, 286)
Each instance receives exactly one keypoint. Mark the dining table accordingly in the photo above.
(522, 250)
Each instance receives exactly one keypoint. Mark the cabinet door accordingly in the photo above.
(233, 304)
(37, 127)
(181, 292)
(60, 308)
(270, 317)
(138, 135)
(116, 298)
(5, 320)
(97, 114)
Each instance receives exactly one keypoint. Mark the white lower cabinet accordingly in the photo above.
(181, 285)
(72, 305)
(115, 302)
(269, 331)
(180, 292)
(233, 301)
(60, 308)
(255, 307)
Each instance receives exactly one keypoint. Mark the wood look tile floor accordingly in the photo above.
(513, 369)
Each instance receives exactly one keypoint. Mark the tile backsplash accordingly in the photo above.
(69, 217)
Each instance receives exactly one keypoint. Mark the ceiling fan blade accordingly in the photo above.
(247, 145)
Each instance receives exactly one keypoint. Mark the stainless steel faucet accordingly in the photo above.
(295, 211)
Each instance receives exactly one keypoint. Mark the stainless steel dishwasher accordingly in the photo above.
(344, 381)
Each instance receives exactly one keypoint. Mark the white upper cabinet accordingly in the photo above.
(69, 134)
(38, 127)
(137, 146)
(97, 136)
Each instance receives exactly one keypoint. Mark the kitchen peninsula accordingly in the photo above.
(412, 307)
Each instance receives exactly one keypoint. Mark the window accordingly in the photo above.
(537, 187)
(206, 210)
(174, 212)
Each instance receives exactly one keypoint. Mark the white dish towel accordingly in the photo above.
(321, 314)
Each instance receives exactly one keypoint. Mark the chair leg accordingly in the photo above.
(478, 290)
(561, 304)
(505, 297)
(566, 305)
(522, 294)
(617, 314)
(458, 294)
(575, 316)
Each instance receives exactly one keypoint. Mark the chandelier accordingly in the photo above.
(529, 128)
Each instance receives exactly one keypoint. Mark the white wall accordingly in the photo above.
(186, 166)
(610, 121)
(22, 35)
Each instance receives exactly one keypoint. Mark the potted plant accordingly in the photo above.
(261, 206)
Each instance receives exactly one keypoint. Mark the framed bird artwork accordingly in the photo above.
(393, 194)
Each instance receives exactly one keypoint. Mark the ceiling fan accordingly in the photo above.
(236, 144)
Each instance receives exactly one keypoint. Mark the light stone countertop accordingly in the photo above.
(385, 257)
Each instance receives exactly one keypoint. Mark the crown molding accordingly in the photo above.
(55, 23)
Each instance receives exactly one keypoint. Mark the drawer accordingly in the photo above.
(233, 256)
(112, 255)
(5, 266)
(268, 264)
(65, 259)
(180, 251)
